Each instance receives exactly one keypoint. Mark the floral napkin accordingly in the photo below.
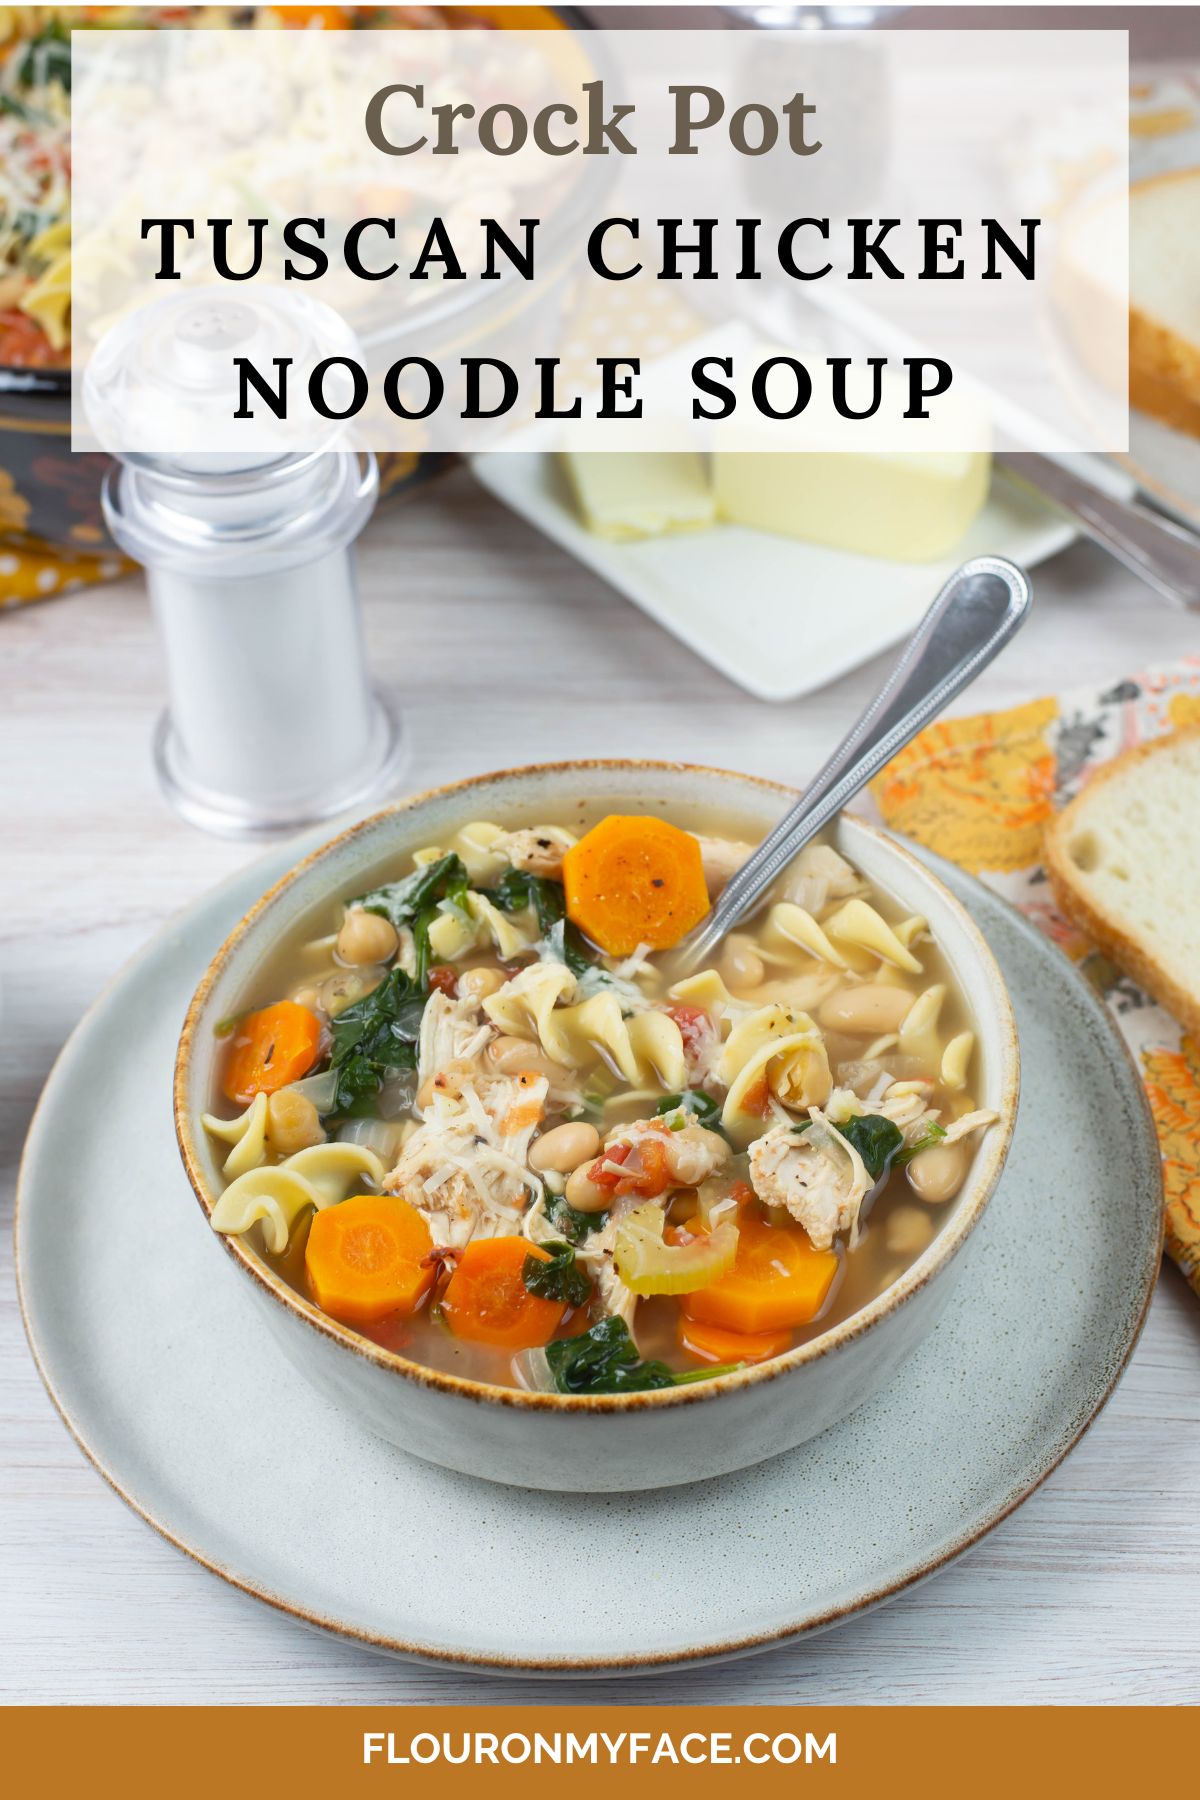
(979, 790)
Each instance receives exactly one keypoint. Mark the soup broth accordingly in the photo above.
(476, 1114)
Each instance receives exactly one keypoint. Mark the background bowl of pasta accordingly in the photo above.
(50, 498)
(710, 1275)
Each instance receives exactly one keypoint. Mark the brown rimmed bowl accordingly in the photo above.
(601, 1442)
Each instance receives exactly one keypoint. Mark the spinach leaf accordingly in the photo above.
(517, 889)
(700, 1107)
(604, 1360)
(876, 1139)
(415, 901)
(574, 1225)
(377, 1034)
(558, 1279)
(402, 901)
(47, 58)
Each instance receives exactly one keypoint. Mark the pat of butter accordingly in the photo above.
(624, 495)
(908, 507)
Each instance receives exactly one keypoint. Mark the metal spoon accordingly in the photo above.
(973, 617)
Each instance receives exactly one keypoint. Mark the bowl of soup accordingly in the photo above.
(531, 1198)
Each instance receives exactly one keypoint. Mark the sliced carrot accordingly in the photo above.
(369, 1258)
(270, 1049)
(714, 1344)
(487, 1300)
(777, 1281)
(631, 881)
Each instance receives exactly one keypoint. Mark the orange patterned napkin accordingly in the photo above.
(978, 791)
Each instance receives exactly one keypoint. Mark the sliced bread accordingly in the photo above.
(1164, 296)
(1124, 861)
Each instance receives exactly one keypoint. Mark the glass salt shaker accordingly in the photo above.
(271, 722)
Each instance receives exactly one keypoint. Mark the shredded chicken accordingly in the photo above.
(969, 1122)
(538, 850)
(906, 1104)
(721, 858)
(816, 1175)
(595, 1255)
(465, 1166)
(452, 1032)
(818, 876)
(693, 1153)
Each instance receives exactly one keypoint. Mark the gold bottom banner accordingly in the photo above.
(249, 1753)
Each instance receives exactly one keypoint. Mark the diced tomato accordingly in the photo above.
(444, 978)
(24, 345)
(697, 1031)
(648, 1170)
(600, 1175)
(757, 1098)
(652, 1174)
(693, 1022)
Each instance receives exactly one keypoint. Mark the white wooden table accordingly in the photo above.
(501, 650)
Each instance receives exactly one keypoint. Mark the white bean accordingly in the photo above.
(565, 1147)
(584, 1195)
(907, 1230)
(937, 1174)
(865, 1011)
(741, 965)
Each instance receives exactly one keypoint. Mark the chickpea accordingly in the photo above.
(478, 984)
(292, 1122)
(565, 1148)
(584, 1194)
(512, 1054)
(741, 965)
(366, 937)
(865, 1011)
(308, 995)
(937, 1174)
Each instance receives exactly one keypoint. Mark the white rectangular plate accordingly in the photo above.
(777, 616)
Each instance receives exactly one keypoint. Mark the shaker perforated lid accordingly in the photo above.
(167, 374)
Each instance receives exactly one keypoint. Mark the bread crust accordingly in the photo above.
(1162, 400)
(1164, 368)
(1130, 954)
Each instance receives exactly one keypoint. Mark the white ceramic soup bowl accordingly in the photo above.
(602, 1442)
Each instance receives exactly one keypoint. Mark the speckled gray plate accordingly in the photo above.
(159, 1363)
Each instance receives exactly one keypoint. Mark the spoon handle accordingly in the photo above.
(981, 606)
